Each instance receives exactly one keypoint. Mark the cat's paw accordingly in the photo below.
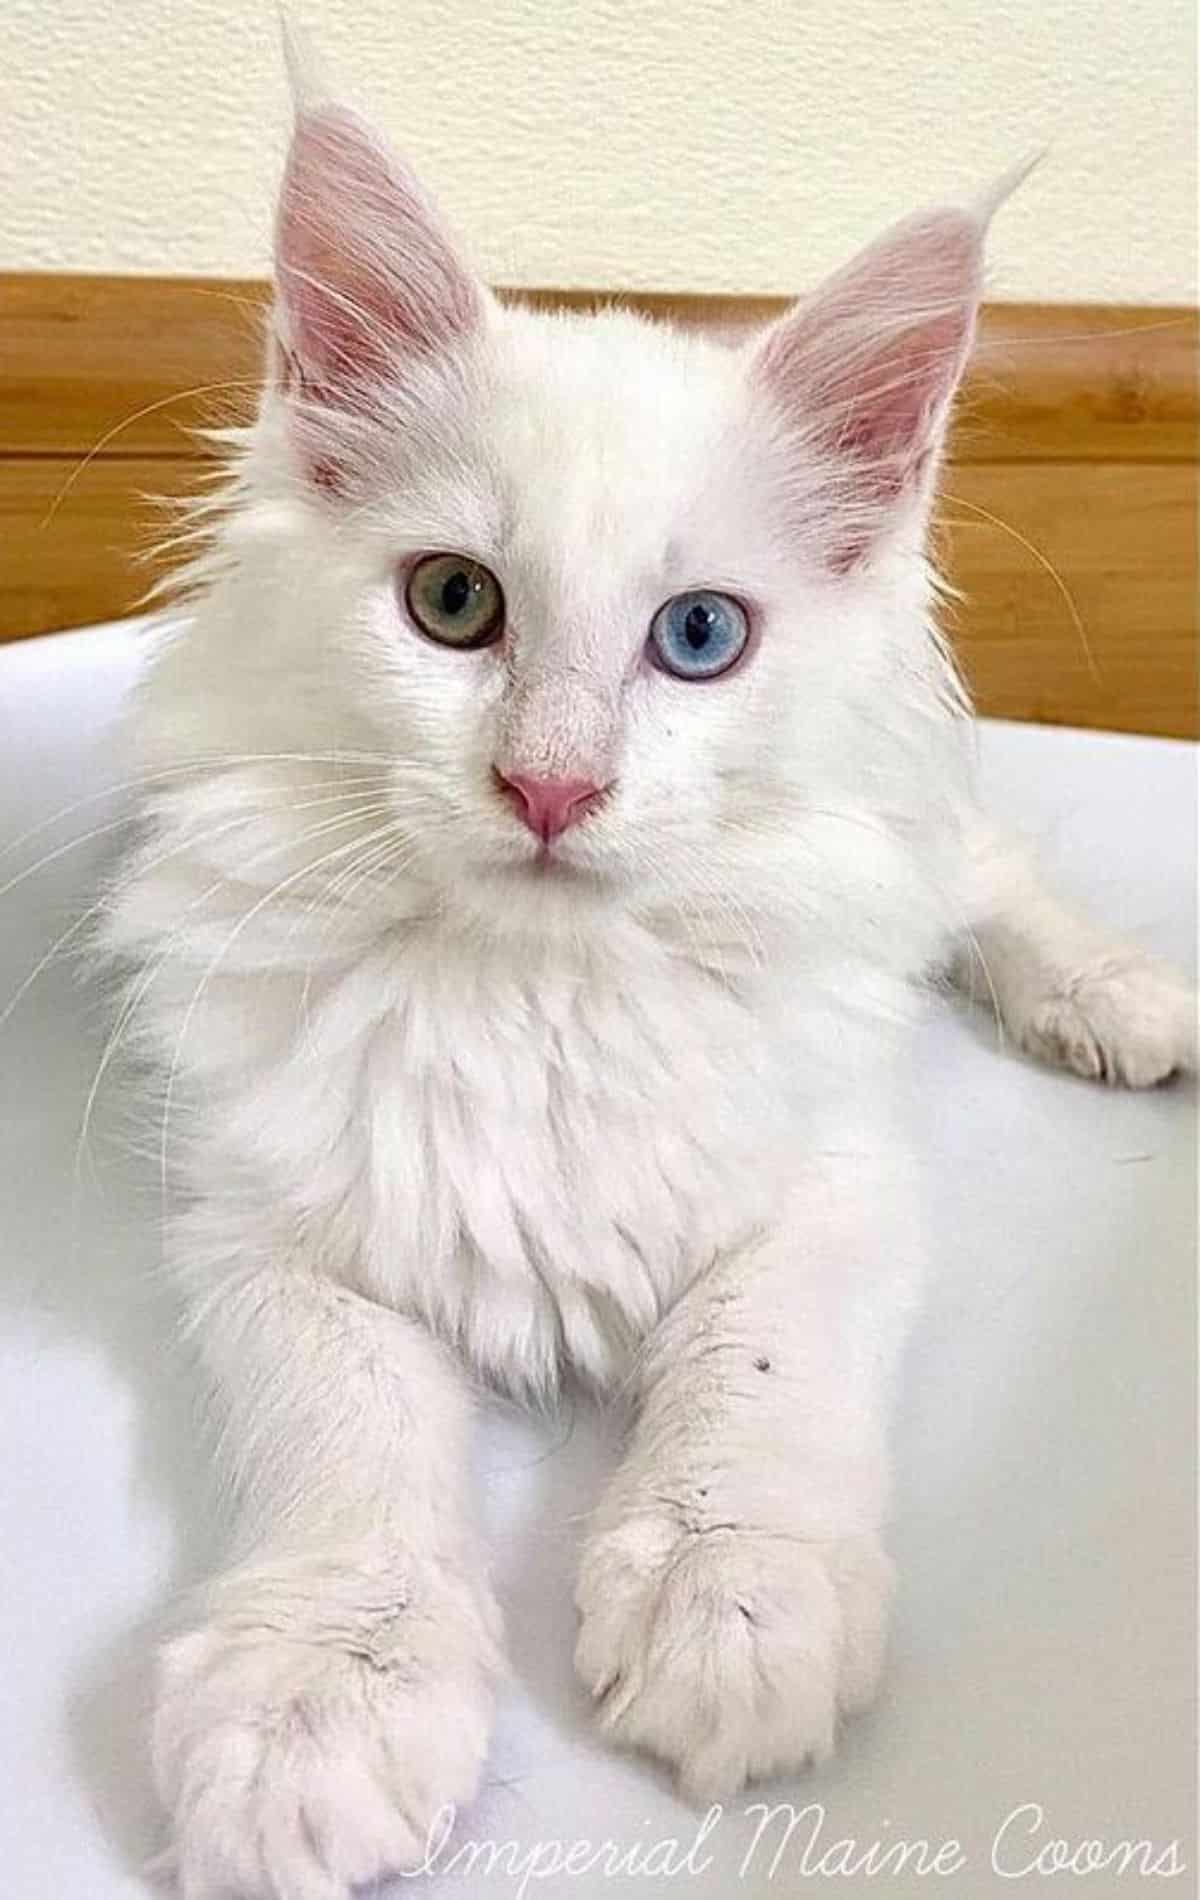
(1126, 1021)
(307, 1734)
(728, 1653)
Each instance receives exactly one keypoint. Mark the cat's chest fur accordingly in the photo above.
(538, 1154)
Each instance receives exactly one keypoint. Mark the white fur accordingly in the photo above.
(431, 1113)
(1067, 992)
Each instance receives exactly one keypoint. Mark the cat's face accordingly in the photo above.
(584, 591)
(613, 598)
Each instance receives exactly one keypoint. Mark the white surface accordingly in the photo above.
(1045, 1528)
(669, 144)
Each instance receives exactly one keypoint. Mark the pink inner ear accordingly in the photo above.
(865, 369)
(365, 271)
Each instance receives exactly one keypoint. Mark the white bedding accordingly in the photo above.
(1045, 1524)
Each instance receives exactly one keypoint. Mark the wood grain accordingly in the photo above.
(72, 557)
(1074, 456)
(1079, 591)
(132, 363)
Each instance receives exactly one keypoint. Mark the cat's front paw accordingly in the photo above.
(728, 1653)
(307, 1734)
(1126, 1021)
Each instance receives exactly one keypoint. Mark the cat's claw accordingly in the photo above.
(729, 1654)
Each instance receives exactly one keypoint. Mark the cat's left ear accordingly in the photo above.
(861, 375)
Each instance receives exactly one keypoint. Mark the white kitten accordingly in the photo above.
(526, 941)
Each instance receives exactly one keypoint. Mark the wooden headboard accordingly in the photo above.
(1068, 522)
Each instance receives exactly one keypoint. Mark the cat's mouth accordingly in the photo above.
(549, 863)
(550, 868)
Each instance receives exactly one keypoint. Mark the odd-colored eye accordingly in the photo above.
(455, 601)
(696, 636)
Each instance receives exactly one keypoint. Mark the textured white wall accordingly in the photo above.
(681, 144)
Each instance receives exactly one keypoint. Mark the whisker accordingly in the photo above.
(355, 875)
(127, 818)
(248, 917)
(155, 966)
(1048, 567)
(200, 763)
(101, 904)
(127, 422)
(1009, 343)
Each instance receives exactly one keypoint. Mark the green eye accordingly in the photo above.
(455, 601)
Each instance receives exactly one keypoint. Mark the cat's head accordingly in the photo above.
(621, 603)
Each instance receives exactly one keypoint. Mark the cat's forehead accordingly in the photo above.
(600, 432)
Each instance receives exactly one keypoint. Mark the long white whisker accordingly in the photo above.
(201, 762)
(127, 422)
(97, 909)
(117, 824)
(385, 857)
(157, 963)
(248, 917)
(1047, 566)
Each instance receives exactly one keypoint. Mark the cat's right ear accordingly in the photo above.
(367, 278)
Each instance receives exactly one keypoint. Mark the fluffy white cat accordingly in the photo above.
(562, 793)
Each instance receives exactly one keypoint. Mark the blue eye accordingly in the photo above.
(696, 636)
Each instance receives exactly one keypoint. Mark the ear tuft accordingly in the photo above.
(307, 82)
(995, 196)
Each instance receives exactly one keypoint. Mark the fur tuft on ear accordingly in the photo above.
(306, 76)
(863, 372)
(365, 273)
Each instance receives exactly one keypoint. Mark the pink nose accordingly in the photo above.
(549, 805)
